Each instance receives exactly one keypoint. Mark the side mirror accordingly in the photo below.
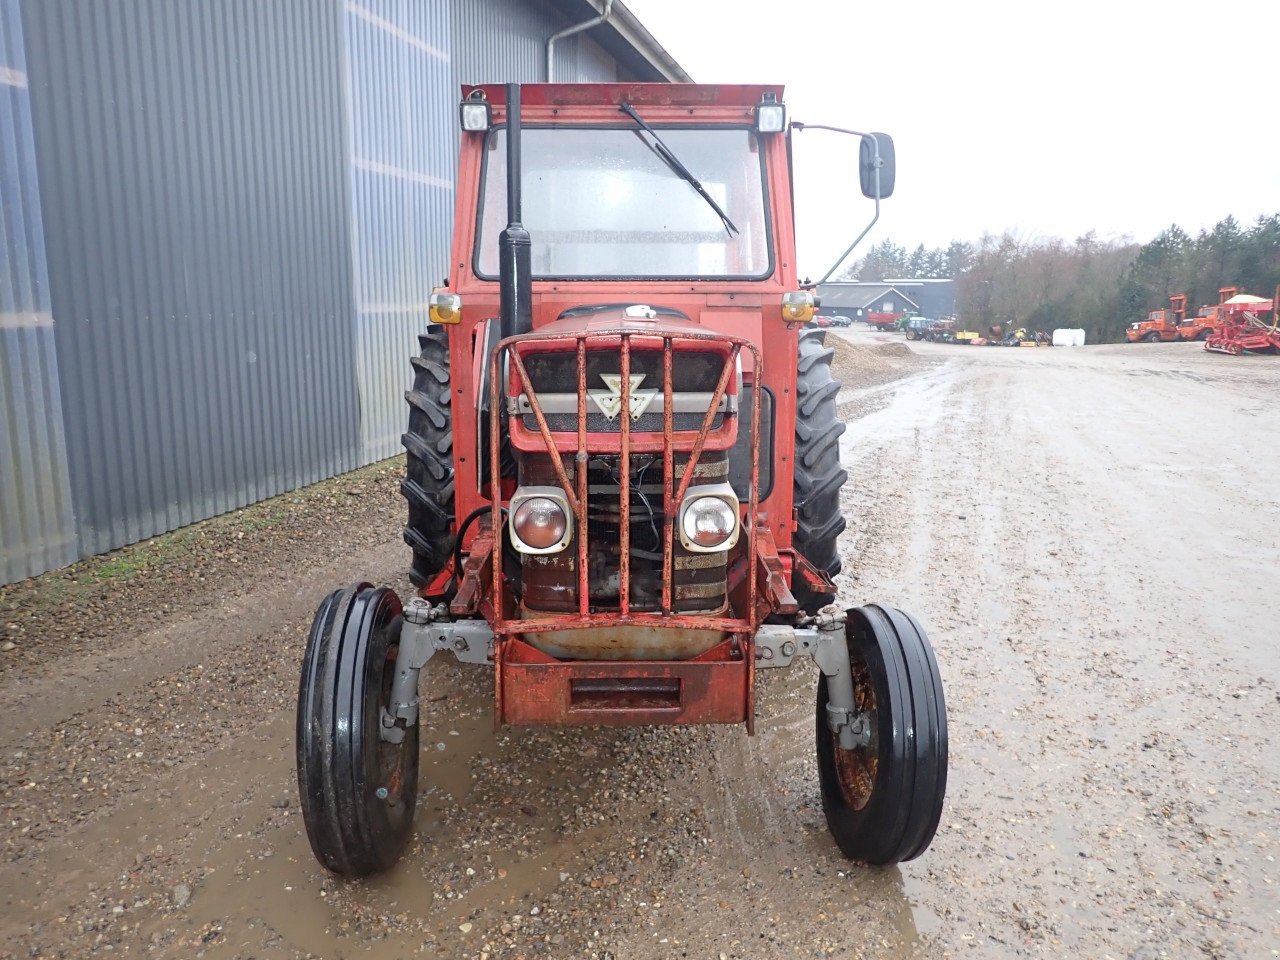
(867, 155)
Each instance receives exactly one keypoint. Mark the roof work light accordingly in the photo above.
(474, 112)
(771, 116)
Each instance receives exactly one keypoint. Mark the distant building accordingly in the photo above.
(926, 298)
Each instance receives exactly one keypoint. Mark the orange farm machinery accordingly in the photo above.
(1160, 325)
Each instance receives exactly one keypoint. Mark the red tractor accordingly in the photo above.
(623, 474)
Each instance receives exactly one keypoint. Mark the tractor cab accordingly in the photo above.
(623, 469)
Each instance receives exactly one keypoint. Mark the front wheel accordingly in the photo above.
(1204, 334)
(883, 800)
(358, 787)
(1152, 338)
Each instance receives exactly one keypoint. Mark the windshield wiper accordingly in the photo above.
(678, 168)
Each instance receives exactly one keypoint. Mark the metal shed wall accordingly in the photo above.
(37, 531)
(245, 206)
(405, 62)
(192, 161)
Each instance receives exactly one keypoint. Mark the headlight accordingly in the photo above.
(709, 519)
(540, 520)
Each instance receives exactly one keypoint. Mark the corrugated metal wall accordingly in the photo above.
(405, 62)
(37, 531)
(402, 171)
(192, 160)
(245, 206)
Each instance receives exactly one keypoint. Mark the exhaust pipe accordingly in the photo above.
(515, 279)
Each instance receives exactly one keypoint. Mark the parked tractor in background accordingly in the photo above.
(1248, 324)
(623, 473)
(919, 328)
(1160, 325)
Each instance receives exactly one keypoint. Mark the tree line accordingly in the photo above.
(1100, 285)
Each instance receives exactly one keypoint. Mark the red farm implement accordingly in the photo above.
(1247, 324)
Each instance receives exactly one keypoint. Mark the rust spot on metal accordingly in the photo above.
(856, 769)
(624, 574)
(668, 477)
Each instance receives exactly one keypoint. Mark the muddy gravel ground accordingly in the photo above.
(1091, 536)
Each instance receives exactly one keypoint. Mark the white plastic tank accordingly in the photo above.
(1068, 337)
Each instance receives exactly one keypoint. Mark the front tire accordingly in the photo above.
(343, 762)
(1152, 338)
(818, 475)
(883, 802)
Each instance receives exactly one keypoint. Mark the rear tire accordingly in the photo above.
(343, 761)
(428, 481)
(818, 475)
(883, 802)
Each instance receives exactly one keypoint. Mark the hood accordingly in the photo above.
(619, 318)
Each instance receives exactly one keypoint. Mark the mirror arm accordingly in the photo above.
(865, 231)
(875, 142)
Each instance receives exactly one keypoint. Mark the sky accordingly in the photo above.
(1046, 119)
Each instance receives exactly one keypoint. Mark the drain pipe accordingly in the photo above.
(570, 31)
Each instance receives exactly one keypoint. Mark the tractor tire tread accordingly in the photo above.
(428, 442)
(818, 474)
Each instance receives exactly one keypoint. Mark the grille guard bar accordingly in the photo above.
(576, 491)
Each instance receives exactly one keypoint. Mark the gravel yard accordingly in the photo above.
(1090, 536)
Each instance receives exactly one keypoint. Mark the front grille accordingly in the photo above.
(694, 370)
(598, 423)
(699, 580)
(636, 566)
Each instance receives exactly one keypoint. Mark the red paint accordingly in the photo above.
(742, 317)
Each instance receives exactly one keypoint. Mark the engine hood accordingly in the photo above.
(621, 318)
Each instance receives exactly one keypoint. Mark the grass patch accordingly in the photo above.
(121, 566)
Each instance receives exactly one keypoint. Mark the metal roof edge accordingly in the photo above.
(636, 35)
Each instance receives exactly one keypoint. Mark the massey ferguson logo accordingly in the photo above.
(610, 401)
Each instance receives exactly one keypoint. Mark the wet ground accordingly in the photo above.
(1091, 537)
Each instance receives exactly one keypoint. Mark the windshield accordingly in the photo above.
(598, 202)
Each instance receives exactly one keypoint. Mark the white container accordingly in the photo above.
(1068, 337)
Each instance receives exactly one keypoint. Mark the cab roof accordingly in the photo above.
(637, 94)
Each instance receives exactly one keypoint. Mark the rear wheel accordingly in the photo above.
(818, 475)
(883, 801)
(428, 481)
(357, 788)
